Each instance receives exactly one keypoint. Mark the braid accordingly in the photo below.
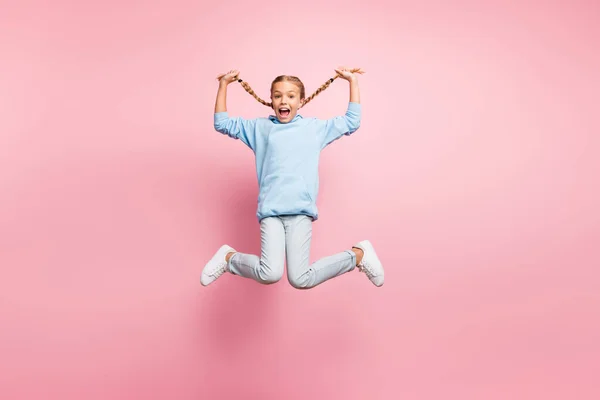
(319, 90)
(249, 90)
(326, 85)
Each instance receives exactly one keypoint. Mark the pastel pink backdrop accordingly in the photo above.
(474, 173)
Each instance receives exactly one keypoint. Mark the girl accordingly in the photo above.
(287, 148)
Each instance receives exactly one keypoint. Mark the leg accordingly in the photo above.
(359, 254)
(302, 275)
(270, 266)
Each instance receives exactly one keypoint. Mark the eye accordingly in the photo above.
(291, 97)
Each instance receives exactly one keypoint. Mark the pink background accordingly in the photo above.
(475, 174)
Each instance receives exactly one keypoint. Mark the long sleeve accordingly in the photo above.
(236, 128)
(339, 126)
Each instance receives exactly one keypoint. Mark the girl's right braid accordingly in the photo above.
(249, 90)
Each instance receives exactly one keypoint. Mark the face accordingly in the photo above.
(286, 100)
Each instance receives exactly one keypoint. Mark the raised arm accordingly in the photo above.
(352, 78)
(235, 127)
(335, 128)
(224, 80)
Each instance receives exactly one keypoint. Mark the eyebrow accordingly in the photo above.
(289, 91)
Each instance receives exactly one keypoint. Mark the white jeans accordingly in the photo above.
(289, 236)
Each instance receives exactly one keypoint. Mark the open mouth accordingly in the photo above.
(284, 112)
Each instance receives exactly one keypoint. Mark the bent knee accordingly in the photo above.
(269, 274)
(301, 282)
(270, 279)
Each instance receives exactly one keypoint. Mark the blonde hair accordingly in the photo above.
(296, 81)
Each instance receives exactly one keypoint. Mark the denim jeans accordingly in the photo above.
(287, 238)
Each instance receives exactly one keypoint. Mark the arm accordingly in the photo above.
(349, 123)
(224, 80)
(234, 127)
(352, 78)
(221, 102)
(354, 91)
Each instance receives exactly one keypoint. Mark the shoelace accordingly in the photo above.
(220, 269)
(366, 268)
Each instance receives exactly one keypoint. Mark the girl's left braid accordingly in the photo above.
(326, 85)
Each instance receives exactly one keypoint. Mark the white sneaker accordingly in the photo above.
(370, 263)
(216, 267)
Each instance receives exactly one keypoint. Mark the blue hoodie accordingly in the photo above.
(287, 156)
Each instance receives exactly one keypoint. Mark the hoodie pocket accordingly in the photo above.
(284, 193)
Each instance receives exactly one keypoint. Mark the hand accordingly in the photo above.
(348, 74)
(229, 77)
